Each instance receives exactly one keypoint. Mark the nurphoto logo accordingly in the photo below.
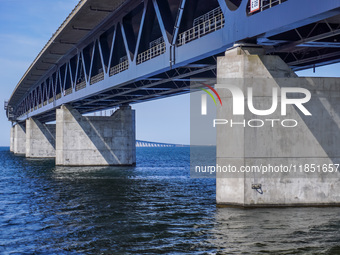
(204, 98)
(239, 105)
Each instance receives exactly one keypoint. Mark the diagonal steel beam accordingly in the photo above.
(291, 47)
(159, 82)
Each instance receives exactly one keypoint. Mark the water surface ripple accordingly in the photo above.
(154, 208)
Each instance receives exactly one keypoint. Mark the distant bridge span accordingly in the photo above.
(113, 52)
(140, 143)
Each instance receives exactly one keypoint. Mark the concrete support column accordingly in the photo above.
(315, 139)
(19, 141)
(40, 139)
(11, 147)
(95, 140)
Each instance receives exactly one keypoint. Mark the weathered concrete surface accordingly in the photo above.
(11, 147)
(95, 141)
(19, 141)
(315, 140)
(40, 139)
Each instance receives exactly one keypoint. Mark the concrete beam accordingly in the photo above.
(315, 140)
(19, 141)
(95, 141)
(40, 139)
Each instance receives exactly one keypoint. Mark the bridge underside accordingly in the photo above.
(173, 82)
(131, 51)
(308, 46)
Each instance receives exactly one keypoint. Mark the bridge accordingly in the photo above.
(113, 53)
(140, 143)
(109, 53)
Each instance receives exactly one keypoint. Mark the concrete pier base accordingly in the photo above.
(40, 139)
(19, 141)
(95, 141)
(11, 147)
(312, 144)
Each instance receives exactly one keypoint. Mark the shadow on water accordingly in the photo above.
(277, 231)
(153, 208)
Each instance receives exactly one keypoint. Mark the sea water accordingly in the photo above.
(153, 208)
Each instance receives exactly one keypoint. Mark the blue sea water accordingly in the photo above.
(153, 208)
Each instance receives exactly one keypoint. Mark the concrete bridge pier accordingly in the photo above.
(19, 139)
(40, 139)
(11, 147)
(95, 140)
(309, 151)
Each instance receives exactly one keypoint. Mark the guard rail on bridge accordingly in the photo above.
(132, 51)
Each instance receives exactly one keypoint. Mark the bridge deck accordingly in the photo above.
(109, 53)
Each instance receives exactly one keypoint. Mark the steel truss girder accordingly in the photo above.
(53, 87)
(60, 84)
(287, 46)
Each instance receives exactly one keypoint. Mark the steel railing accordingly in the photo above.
(119, 68)
(80, 85)
(67, 91)
(267, 4)
(156, 42)
(201, 29)
(207, 16)
(151, 53)
(97, 78)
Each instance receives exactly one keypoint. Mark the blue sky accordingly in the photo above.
(26, 26)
